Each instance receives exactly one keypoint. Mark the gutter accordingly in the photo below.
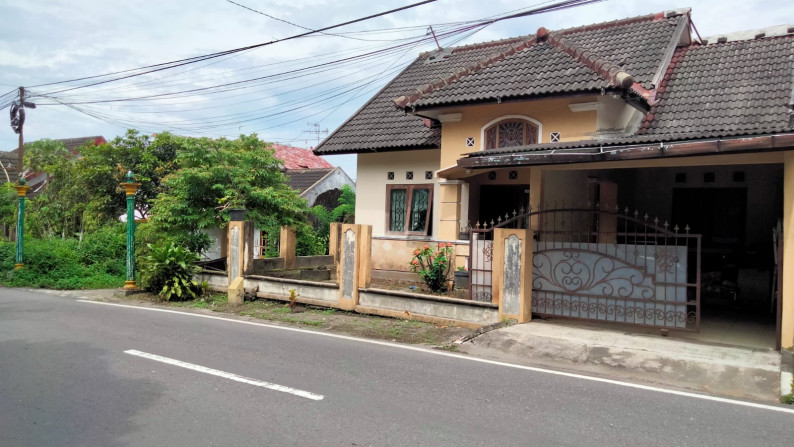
(646, 151)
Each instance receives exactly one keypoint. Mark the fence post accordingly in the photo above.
(512, 273)
(286, 247)
(364, 257)
(348, 269)
(334, 236)
(235, 261)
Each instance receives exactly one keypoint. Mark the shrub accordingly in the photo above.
(167, 270)
(57, 264)
(433, 266)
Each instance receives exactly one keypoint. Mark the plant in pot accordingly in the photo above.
(461, 278)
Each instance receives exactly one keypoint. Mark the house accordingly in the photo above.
(654, 170)
(317, 181)
(9, 170)
(9, 161)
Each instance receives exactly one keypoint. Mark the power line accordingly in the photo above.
(192, 60)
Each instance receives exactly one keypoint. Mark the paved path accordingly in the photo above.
(65, 380)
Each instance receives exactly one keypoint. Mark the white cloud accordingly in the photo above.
(48, 40)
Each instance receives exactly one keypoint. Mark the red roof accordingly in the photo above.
(298, 158)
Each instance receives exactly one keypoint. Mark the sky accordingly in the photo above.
(288, 92)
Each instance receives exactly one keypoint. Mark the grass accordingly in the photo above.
(351, 323)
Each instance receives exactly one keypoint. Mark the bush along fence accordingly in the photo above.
(349, 285)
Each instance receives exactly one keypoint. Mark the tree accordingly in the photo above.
(216, 175)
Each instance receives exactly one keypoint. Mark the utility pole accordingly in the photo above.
(17, 123)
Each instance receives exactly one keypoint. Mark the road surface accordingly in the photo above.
(74, 373)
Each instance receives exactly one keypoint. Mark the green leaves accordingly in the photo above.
(167, 270)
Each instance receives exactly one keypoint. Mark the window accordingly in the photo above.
(512, 132)
(408, 208)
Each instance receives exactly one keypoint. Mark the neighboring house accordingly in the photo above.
(37, 180)
(9, 170)
(580, 133)
(317, 181)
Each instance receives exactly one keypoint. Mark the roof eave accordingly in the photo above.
(728, 145)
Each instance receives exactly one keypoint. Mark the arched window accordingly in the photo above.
(511, 132)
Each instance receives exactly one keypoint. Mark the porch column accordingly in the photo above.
(449, 222)
(787, 298)
(512, 273)
(535, 193)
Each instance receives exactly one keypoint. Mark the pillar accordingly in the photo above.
(535, 193)
(22, 191)
(512, 273)
(334, 236)
(235, 258)
(449, 214)
(787, 297)
(287, 247)
(354, 267)
(130, 188)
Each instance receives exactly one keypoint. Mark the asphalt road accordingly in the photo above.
(65, 380)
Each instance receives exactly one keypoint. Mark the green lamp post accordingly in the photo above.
(130, 187)
(22, 191)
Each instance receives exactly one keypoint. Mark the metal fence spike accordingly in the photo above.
(626, 211)
(686, 228)
(675, 228)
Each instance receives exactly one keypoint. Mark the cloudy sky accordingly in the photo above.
(278, 91)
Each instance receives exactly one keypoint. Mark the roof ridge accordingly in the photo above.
(608, 70)
(492, 43)
(519, 44)
(626, 21)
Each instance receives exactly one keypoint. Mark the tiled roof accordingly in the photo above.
(576, 60)
(297, 158)
(722, 89)
(378, 126)
(303, 179)
(582, 59)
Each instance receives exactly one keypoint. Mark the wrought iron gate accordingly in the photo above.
(595, 263)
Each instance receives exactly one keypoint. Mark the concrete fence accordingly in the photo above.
(351, 253)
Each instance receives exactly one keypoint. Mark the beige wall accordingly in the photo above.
(371, 183)
(554, 115)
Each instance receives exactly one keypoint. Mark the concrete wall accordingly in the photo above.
(396, 254)
(404, 304)
(218, 281)
(371, 184)
(278, 288)
(554, 115)
(216, 248)
(334, 180)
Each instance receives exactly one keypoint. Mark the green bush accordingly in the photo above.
(58, 264)
(167, 270)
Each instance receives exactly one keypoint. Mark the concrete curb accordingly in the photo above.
(730, 371)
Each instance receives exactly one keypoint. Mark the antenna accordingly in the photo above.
(316, 131)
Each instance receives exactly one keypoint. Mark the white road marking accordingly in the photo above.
(472, 359)
(226, 375)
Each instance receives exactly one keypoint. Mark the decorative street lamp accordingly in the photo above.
(130, 187)
(22, 190)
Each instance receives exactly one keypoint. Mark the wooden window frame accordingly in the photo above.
(408, 200)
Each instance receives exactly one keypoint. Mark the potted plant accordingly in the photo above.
(461, 278)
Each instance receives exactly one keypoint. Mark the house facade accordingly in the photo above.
(632, 144)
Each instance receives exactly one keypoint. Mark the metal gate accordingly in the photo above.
(594, 263)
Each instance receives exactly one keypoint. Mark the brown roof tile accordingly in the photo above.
(303, 179)
(734, 88)
(515, 68)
